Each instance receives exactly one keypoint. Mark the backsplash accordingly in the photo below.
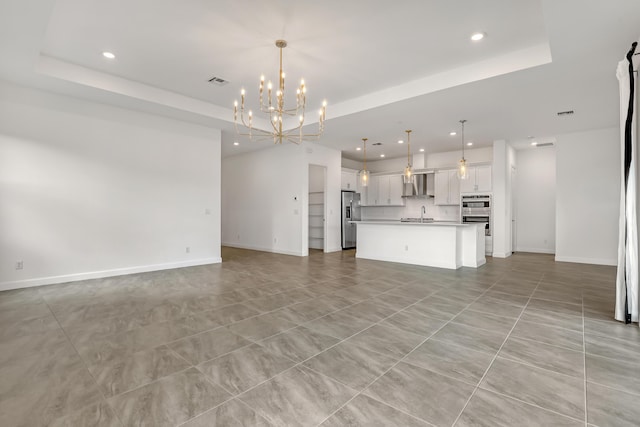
(412, 209)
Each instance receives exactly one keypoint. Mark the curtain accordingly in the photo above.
(627, 272)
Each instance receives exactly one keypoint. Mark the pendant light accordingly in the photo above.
(463, 173)
(407, 177)
(364, 173)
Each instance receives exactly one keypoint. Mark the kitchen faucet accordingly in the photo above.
(422, 212)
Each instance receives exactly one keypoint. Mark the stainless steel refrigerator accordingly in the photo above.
(350, 212)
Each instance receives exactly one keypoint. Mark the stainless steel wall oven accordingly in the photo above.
(476, 208)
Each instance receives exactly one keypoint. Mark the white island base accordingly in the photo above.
(435, 244)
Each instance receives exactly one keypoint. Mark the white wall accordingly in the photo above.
(503, 163)
(587, 196)
(450, 159)
(89, 190)
(352, 164)
(265, 198)
(535, 202)
(412, 209)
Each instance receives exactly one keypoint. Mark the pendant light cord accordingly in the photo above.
(408, 148)
(462, 121)
(364, 144)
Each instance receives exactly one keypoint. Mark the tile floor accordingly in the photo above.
(274, 340)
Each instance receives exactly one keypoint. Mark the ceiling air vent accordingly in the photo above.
(218, 81)
(544, 144)
(565, 113)
(377, 143)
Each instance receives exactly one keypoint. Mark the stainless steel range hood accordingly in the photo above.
(422, 188)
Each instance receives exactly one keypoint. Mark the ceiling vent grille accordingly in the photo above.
(544, 144)
(565, 113)
(377, 143)
(218, 81)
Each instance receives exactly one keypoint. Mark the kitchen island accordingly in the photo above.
(434, 244)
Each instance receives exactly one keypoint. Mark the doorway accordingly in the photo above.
(317, 208)
(514, 212)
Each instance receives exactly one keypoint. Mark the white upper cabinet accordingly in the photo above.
(395, 190)
(447, 187)
(479, 180)
(384, 190)
(483, 178)
(349, 180)
(372, 191)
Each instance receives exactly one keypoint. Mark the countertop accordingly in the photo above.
(431, 223)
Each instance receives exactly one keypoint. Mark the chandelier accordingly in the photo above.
(463, 172)
(277, 111)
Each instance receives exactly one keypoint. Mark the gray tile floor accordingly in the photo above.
(274, 340)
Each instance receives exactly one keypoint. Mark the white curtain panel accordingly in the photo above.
(627, 273)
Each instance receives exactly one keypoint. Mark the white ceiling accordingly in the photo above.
(383, 66)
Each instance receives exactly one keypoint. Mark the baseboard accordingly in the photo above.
(76, 277)
(502, 254)
(261, 249)
(537, 250)
(401, 260)
(579, 260)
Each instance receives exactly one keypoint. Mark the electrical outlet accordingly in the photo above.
(238, 237)
(188, 250)
(406, 247)
(207, 211)
(19, 265)
(275, 240)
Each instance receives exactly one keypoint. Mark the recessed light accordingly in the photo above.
(400, 142)
(534, 143)
(381, 155)
(236, 143)
(477, 37)
(108, 55)
(422, 150)
(469, 144)
(358, 149)
(454, 133)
